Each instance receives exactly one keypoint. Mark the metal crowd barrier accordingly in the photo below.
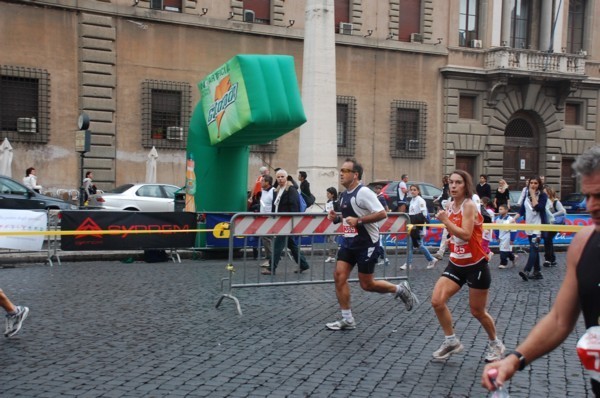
(51, 243)
(313, 231)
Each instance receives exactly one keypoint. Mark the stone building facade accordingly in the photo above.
(501, 87)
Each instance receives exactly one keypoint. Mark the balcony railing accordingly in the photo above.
(534, 61)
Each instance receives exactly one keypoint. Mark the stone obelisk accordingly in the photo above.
(317, 152)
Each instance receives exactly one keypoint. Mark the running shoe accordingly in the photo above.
(448, 348)
(495, 351)
(404, 266)
(330, 260)
(546, 264)
(431, 264)
(342, 324)
(502, 266)
(15, 321)
(405, 294)
(265, 264)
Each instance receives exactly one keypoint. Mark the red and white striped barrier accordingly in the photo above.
(256, 224)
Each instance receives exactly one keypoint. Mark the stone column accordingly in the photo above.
(317, 152)
(546, 26)
(507, 8)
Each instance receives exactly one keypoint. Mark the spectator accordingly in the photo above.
(402, 194)
(332, 204)
(309, 198)
(557, 212)
(483, 189)
(286, 200)
(266, 206)
(254, 198)
(445, 194)
(377, 189)
(89, 188)
(418, 215)
(30, 180)
(502, 195)
(505, 237)
(534, 212)
(488, 217)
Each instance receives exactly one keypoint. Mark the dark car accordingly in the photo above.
(574, 203)
(429, 192)
(14, 195)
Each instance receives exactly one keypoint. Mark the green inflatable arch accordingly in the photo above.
(250, 100)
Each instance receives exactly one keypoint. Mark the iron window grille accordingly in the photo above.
(166, 110)
(270, 147)
(408, 129)
(25, 104)
(346, 125)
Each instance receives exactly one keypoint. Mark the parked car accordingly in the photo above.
(140, 197)
(429, 192)
(574, 203)
(14, 195)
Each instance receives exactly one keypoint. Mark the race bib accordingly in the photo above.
(349, 232)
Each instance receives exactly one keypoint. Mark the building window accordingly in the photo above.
(24, 104)
(166, 108)
(519, 32)
(572, 114)
(270, 147)
(346, 125)
(409, 22)
(408, 129)
(342, 14)
(257, 11)
(466, 107)
(468, 22)
(575, 28)
(167, 5)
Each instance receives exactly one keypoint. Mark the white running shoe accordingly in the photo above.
(495, 351)
(432, 263)
(330, 260)
(342, 324)
(405, 294)
(404, 266)
(15, 321)
(448, 348)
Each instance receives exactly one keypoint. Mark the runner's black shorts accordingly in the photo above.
(475, 276)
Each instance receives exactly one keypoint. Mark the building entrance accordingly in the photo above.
(521, 151)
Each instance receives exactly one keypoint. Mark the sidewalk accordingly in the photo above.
(108, 329)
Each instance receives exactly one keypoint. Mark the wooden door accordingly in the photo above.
(521, 152)
(467, 163)
(567, 178)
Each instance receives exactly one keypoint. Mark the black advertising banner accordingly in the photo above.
(163, 223)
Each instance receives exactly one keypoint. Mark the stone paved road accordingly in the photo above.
(107, 329)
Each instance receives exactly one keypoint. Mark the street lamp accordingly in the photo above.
(82, 145)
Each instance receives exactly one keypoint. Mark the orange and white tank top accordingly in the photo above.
(465, 253)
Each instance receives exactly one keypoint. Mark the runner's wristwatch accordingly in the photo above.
(521, 357)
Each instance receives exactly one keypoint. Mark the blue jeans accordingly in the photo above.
(423, 249)
(533, 261)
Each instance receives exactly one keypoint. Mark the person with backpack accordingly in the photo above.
(286, 199)
(557, 212)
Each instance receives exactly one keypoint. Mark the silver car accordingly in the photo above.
(141, 197)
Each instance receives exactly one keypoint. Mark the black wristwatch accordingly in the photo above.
(521, 357)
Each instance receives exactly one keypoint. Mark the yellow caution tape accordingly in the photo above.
(514, 227)
(215, 232)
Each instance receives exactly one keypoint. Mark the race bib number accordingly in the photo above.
(349, 232)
